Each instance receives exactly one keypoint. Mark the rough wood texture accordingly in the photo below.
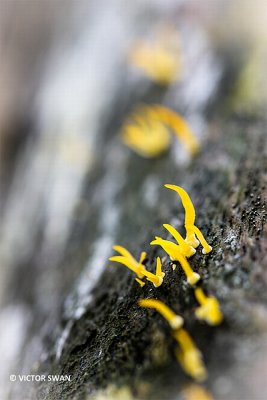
(115, 341)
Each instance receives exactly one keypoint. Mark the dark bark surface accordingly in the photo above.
(115, 341)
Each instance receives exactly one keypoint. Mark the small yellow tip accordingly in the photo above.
(193, 279)
(160, 281)
(141, 283)
(207, 249)
(177, 322)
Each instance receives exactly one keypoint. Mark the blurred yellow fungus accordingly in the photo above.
(147, 131)
(209, 309)
(196, 392)
(146, 136)
(156, 62)
(130, 262)
(160, 59)
(192, 232)
(189, 356)
(174, 320)
(179, 126)
(173, 250)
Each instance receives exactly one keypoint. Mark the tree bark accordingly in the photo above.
(116, 342)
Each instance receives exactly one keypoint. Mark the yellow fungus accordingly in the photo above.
(146, 136)
(147, 131)
(192, 232)
(209, 309)
(159, 59)
(189, 356)
(129, 261)
(196, 392)
(185, 248)
(174, 320)
(173, 250)
(141, 283)
(156, 62)
(159, 272)
(179, 127)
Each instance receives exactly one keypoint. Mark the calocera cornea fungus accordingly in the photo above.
(175, 321)
(189, 356)
(193, 234)
(145, 135)
(185, 248)
(157, 62)
(179, 126)
(147, 131)
(159, 59)
(130, 262)
(209, 309)
(173, 250)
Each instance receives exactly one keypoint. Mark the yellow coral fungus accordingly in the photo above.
(157, 62)
(179, 126)
(189, 356)
(160, 59)
(192, 232)
(196, 392)
(147, 137)
(147, 131)
(174, 320)
(130, 262)
(209, 309)
(173, 250)
(185, 248)
(141, 283)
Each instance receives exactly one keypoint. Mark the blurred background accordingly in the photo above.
(71, 71)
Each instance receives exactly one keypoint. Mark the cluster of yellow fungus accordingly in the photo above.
(184, 248)
(188, 355)
(178, 252)
(138, 267)
(193, 234)
(160, 59)
(147, 131)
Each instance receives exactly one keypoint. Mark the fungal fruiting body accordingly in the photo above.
(161, 58)
(157, 62)
(141, 283)
(209, 309)
(147, 131)
(179, 126)
(174, 320)
(193, 234)
(130, 262)
(189, 356)
(185, 248)
(145, 135)
(173, 250)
